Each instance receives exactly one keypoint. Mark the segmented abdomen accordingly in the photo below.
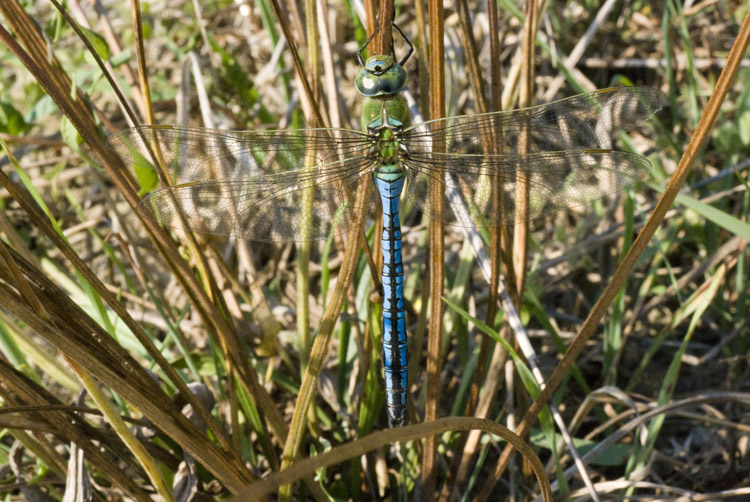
(394, 315)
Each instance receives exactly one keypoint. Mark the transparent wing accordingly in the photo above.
(196, 154)
(582, 122)
(297, 206)
(487, 187)
(251, 184)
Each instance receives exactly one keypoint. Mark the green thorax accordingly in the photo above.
(384, 121)
(396, 115)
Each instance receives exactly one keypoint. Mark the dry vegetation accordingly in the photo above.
(107, 320)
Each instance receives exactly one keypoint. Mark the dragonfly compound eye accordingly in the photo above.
(380, 76)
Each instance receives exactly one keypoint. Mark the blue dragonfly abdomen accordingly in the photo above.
(389, 187)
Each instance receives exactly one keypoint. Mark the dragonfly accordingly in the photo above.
(285, 185)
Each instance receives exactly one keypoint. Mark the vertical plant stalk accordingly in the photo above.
(304, 246)
(500, 235)
(467, 447)
(306, 87)
(434, 364)
(697, 141)
(475, 80)
(513, 77)
(115, 45)
(384, 42)
(423, 52)
(123, 432)
(370, 14)
(329, 73)
(521, 236)
(320, 345)
(520, 241)
(140, 52)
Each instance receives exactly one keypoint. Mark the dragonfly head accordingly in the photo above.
(380, 76)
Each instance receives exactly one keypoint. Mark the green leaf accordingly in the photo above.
(97, 42)
(744, 128)
(612, 456)
(44, 107)
(11, 120)
(146, 175)
(70, 134)
(121, 58)
(523, 370)
(724, 220)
